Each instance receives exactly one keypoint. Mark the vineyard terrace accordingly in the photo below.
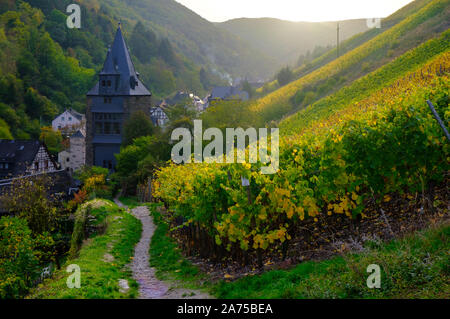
(235, 146)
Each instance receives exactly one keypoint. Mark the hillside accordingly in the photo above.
(339, 172)
(46, 67)
(197, 38)
(352, 43)
(285, 41)
(427, 22)
(348, 162)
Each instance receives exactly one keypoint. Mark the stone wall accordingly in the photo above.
(75, 157)
(137, 103)
(77, 153)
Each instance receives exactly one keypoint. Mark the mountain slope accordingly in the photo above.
(426, 23)
(285, 41)
(379, 147)
(46, 67)
(196, 37)
(353, 42)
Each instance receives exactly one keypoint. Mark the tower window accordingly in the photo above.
(107, 128)
(109, 83)
(108, 123)
(103, 83)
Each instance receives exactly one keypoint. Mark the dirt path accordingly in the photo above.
(149, 286)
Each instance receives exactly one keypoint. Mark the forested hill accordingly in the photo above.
(285, 41)
(198, 39)
(46, 67)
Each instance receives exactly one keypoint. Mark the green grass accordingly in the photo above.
(168, 260)
(416, 266)
(99, 279)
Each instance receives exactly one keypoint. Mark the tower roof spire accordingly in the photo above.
(118, 62)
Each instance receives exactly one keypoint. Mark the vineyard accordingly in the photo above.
(384, 143)
(352, 42)
(409, 63)
(375, 51)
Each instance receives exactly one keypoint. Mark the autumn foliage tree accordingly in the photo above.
(29, 199)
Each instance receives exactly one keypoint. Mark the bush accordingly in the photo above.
(18, 263)
(285, 76)
(28, 198)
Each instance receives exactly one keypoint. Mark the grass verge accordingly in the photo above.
(99, 275)
(168, 260)
(417, 266)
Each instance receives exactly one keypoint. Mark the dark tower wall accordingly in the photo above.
(131, 104)
(117, 94)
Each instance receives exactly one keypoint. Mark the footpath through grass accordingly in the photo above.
(416, 266)
(102, 260)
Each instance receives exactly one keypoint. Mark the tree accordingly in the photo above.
(166, 52)
(285, 76)
(143, 43)
(138, 161)
(29, 199)
(18, 262)
(52, 139)
(139, 124)
(4, 131)
(249, 89)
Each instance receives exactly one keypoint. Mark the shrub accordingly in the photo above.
(29, 199)
(18, 263)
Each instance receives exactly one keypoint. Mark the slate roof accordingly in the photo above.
(19, 154)
(225, 92)
(118, 62)
(74, 113)
(221, 92)
(78, 134)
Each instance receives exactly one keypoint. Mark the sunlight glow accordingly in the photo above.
(294, 10)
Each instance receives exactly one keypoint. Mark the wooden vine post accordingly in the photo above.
(438, 118)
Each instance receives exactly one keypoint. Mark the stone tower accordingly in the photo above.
(117, 94)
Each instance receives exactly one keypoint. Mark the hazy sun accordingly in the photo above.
(294, 10)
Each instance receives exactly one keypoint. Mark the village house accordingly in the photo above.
(28, 159)
(227, 93)
(158, 116)
(117, 94)
(69, 122)
(22, 158)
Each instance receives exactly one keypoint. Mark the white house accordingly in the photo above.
(69, 121)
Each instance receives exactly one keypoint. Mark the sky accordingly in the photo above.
(293, 10)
